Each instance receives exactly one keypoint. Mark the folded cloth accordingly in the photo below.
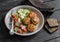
(40, 4)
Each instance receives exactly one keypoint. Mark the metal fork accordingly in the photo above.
(12, 28)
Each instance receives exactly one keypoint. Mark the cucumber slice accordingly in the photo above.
(26, 11)
(16, 24)
(23, 13)
(17, 15)
(16, 29)
(20, 11)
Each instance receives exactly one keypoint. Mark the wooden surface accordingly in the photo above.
(41, 36)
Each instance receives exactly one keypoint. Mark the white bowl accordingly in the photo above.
(38, 27)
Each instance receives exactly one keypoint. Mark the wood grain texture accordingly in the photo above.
(41, 36)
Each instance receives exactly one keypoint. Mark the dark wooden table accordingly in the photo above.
(41, 36)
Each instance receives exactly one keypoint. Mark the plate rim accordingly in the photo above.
(29, 33)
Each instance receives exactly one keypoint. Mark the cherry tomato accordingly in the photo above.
(14, 27)
(13, 15)
(20, 25)
(19, 31)
(25, 30)
(15, 20)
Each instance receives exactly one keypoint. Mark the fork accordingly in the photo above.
(11, 32)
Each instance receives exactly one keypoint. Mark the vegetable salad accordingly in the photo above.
(25, 21)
